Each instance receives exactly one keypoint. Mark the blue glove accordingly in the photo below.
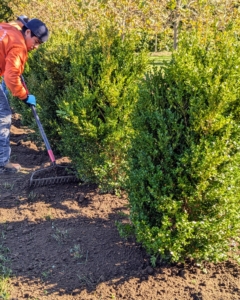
(31, 100)
(4, 87)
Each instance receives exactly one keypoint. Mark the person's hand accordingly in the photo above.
(31, 100)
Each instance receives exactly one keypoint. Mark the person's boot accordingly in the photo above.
(10, 168)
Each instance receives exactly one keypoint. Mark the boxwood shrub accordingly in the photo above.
(184, 175)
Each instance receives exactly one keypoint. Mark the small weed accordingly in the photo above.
(125, 230)
(118, 192)
(5, 273)
(194, 281)
(3, 261)
(60, 235)
(3, 235)
(8, 186)
(76, 251)
(4, 288)
(153, 261)
(86, 280)
(45, 274)
(32, 196)
(48, 218)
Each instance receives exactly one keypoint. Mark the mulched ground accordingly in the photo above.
(61, 242)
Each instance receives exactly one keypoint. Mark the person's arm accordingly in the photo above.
(15, 61)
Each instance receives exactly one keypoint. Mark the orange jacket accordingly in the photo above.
(13, 56)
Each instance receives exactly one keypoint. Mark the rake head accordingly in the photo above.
(52, 175)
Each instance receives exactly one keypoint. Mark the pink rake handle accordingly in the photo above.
(40, 127)
(49, 150)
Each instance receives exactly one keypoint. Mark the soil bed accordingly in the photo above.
(63, 243)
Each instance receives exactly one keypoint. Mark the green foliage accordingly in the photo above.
(184, 176)
(86, 88)
(5, 273)
(96, 104)
(125, 229)
(6, 12)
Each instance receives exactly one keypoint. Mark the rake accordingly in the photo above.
(57, 174)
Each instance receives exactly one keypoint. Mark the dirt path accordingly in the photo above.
(62, 243)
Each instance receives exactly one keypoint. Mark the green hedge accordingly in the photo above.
(95, 107)
(6, 13)
(184, 175)
(86, 87)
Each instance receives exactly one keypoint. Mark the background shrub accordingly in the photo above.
(184, 161)
(96, 104)
(6, 12)
(87, 86)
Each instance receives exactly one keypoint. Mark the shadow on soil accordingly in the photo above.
(65, 237)
(61, 254)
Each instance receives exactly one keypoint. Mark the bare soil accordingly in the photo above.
(62, 243)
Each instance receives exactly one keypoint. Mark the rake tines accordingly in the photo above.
(58, 177)
(52, 180)
(40, 178)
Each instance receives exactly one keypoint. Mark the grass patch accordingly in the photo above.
(157, 58)
(4, 288)
(4, 274)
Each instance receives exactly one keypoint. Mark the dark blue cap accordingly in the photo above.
(39, 29)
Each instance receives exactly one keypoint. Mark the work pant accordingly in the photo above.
(5, 124)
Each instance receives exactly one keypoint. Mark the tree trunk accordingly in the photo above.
(156, 42)
(175, 34)
(175, 25)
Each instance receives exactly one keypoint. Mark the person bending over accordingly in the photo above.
(14, 47)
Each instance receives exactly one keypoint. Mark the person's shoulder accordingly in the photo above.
(15, 37)
(3, 24)
(15, 25)
(10, 26)
(11, 29)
